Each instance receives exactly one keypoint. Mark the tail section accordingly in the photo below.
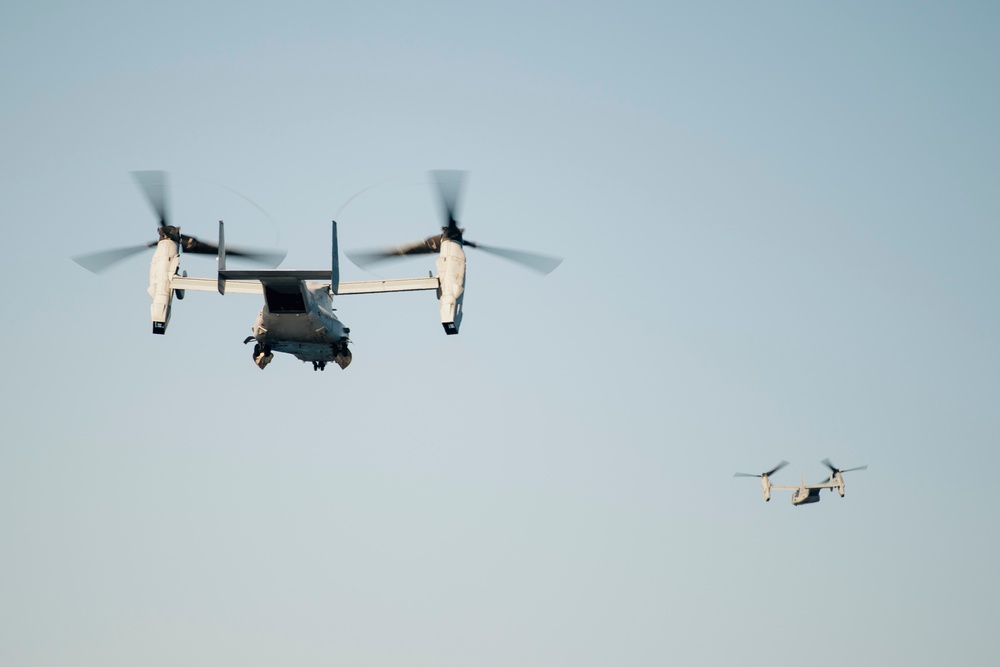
(335, 263)
(222, 257)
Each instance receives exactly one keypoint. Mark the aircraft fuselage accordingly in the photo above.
(298, 319)
(804, 496)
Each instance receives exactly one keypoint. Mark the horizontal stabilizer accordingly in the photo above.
(234, 274)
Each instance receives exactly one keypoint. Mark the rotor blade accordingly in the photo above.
(96, 262)
(744, 474)
(829, 465)
(270, 258)
(190, 244)
(776, 468)
(541, 263)
(364, 258)
(864, 467)
(449, 185)
(265, 257)
(154, 184)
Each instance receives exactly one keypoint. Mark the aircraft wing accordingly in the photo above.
(395, 285)
(251, 283)
(824, 485)
(212, 285)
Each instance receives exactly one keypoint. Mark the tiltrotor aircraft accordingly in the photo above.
(804, 494)
(298, 315)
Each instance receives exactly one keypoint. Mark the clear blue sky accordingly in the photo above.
(780, 228)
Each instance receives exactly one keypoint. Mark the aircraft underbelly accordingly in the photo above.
(306, 351)
(301, 335)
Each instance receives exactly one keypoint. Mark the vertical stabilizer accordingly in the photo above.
(222, 257)
(335, 262)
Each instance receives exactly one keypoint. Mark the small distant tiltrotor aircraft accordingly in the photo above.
(298, 314)
(804, 493)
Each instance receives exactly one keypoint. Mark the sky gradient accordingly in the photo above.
(779, 225)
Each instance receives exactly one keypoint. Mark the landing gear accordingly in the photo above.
(319, 365)
(262, 355)
(342, 355)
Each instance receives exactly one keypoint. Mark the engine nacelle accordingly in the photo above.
(161, 271)
(765, 484)
(451, 284)
(838, 479)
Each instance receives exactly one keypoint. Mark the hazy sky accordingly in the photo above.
(779, 224)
